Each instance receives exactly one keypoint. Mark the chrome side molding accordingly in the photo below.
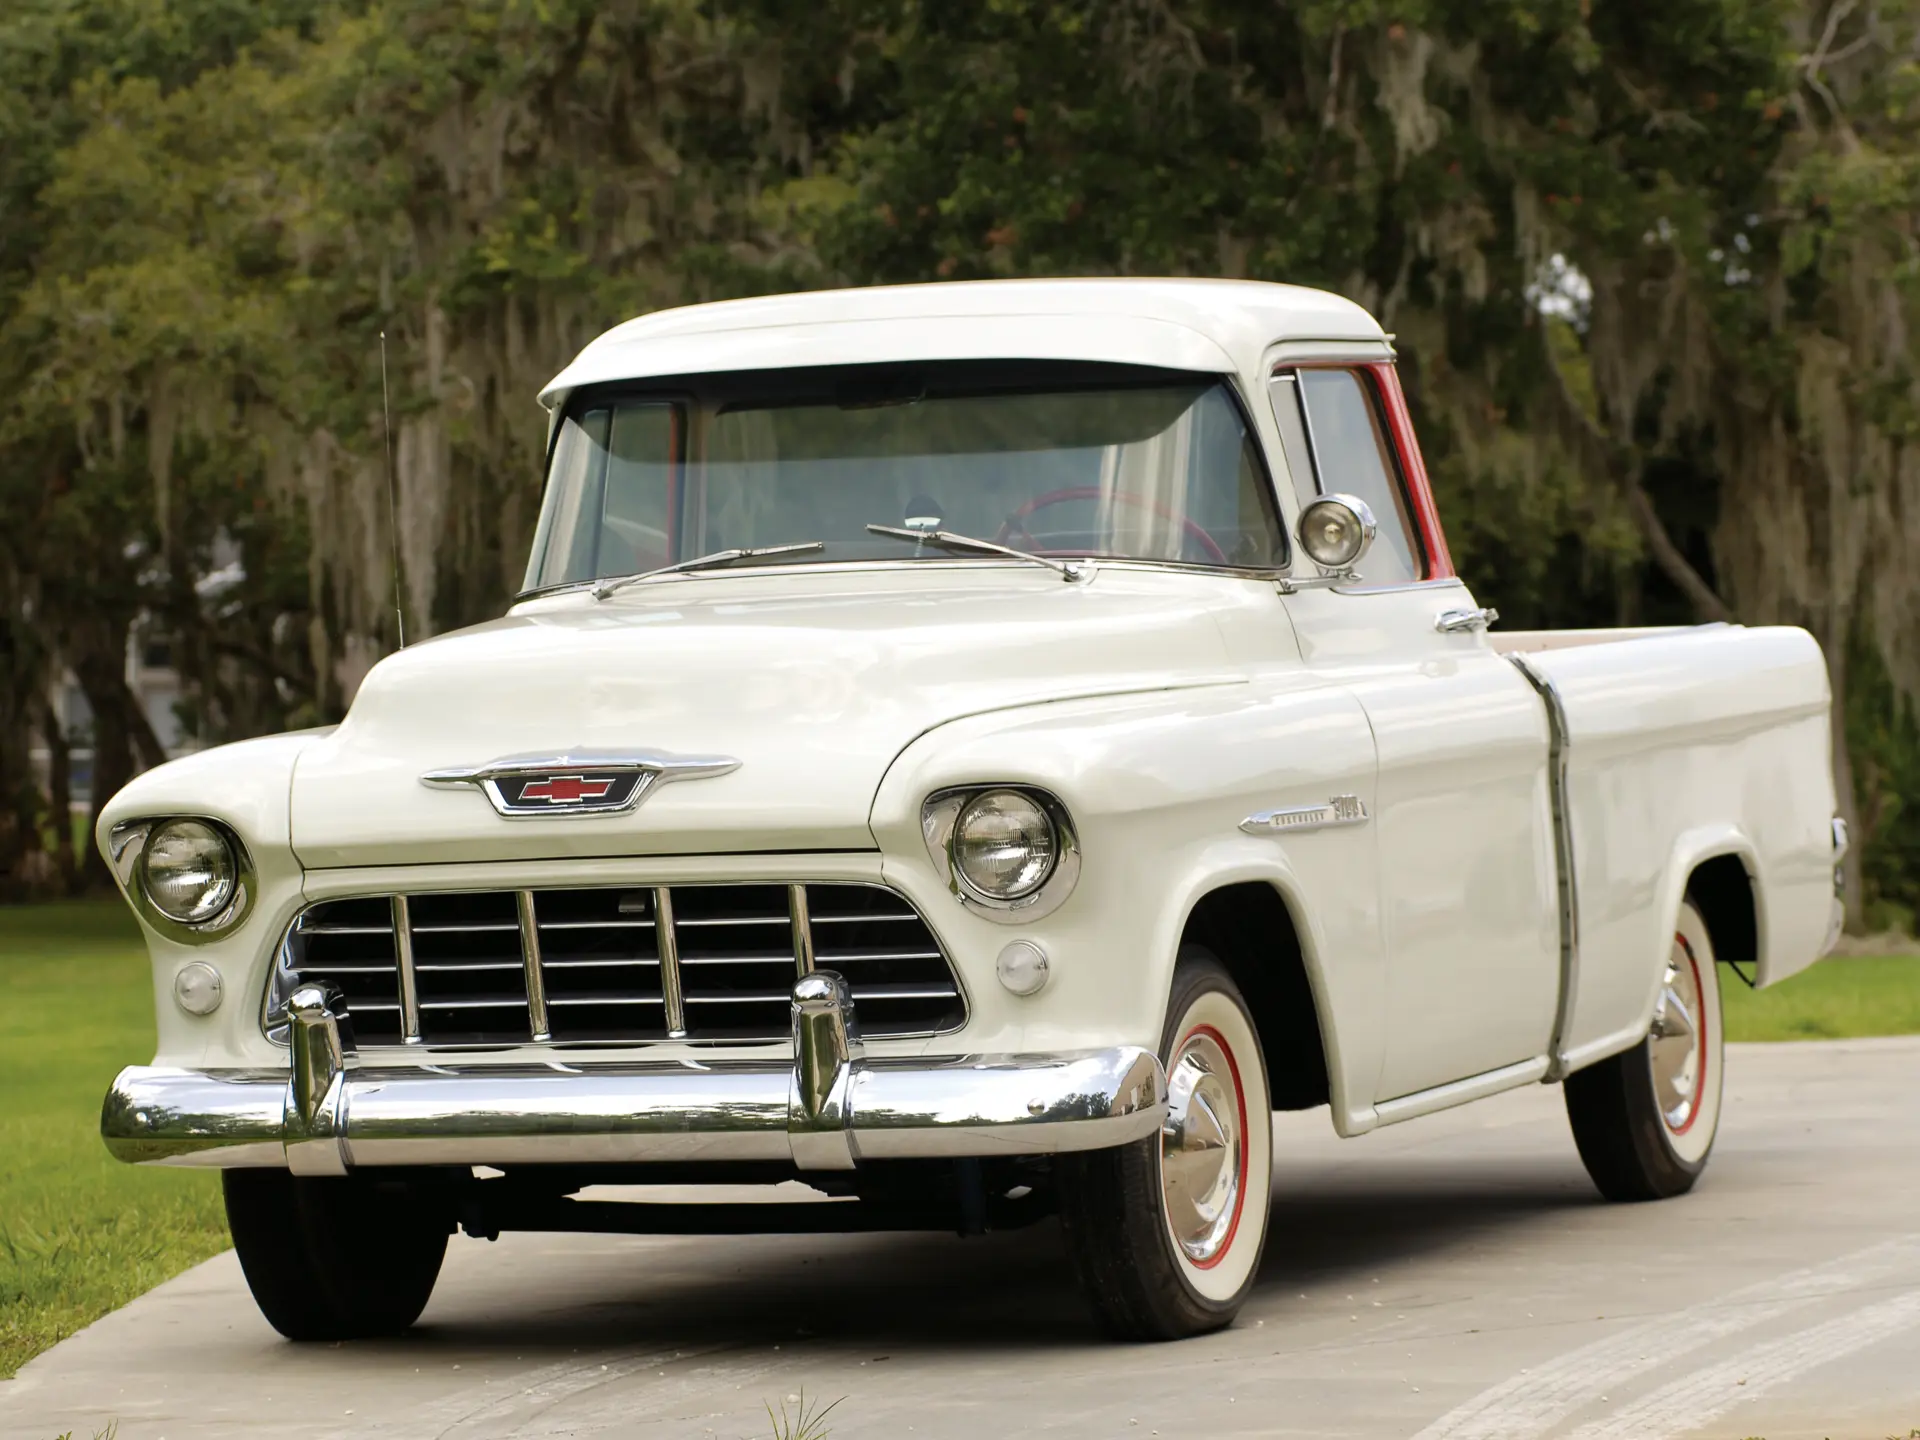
(1339, 810)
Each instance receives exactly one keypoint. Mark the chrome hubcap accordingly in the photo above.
(1202, 1150)
(1676, 1050)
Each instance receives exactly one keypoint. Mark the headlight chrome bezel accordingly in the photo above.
(939, 819)
(127, 847)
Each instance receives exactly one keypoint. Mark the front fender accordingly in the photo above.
(1157, 786)
(244, 785)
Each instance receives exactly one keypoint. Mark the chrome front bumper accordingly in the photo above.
(829, 1110)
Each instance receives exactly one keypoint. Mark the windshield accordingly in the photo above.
(1070, 461)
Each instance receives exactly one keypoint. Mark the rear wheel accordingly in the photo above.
(1645, 1120)
(336, 1259)
(1166, 1233)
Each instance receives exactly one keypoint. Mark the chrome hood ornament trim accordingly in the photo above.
(577, 782)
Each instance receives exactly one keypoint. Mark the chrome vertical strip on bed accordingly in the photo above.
(1557, 744)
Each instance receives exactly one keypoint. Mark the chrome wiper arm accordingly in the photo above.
(948, 540)
(706, 562)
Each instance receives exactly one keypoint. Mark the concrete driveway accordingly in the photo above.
(1452, 1277)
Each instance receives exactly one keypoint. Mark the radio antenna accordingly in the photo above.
(393, 494)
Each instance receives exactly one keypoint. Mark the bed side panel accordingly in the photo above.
(1683, 746)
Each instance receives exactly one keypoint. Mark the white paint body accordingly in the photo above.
(1161, 704)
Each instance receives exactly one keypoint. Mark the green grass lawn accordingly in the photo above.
(80, 1233)
(1842, 996)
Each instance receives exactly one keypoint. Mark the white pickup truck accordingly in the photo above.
(977, 750)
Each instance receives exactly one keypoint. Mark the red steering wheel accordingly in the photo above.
(1014, 523)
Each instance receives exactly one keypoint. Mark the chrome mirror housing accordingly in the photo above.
(1334, 532)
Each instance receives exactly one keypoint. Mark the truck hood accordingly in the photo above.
(814, 693)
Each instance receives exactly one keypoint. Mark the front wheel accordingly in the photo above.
(1645, 1120)
(336, 1259)
(1166, 1233)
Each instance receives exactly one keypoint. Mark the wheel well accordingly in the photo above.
(1722, 891)
(1250, 929)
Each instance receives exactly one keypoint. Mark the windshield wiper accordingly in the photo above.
(706, 562)
(948, 540)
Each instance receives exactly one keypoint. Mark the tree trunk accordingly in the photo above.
(1845, 793)
(60, 797)
(21, 860)
(147, 749)
(103, 680)
(1665, 554)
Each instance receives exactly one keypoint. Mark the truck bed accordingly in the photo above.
(1678, 746)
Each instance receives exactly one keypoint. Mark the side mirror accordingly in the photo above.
(1334, 532)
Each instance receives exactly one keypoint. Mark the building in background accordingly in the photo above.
(155, 684)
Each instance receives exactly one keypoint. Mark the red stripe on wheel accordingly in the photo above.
(1700, 1004)
(1240, 1100)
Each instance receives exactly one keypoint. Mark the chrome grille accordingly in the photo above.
(349, 943)
(737, 958)
(614, 965)
(470, 979)
(599, 954)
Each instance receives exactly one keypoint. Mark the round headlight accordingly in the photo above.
(1005, 845)
(189, 871)
(1335, 530)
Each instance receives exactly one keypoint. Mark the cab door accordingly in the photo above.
(1462, 824)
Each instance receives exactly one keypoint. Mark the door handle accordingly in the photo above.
(1456, 622)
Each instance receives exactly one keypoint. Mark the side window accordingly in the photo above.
(1335, 440)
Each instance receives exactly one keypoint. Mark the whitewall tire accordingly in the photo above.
(1167, 1233)
(1645, 1120)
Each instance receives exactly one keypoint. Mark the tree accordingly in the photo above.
(1712, 422)
(1651, 270)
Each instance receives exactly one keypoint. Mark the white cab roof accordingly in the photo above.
(1215, 326)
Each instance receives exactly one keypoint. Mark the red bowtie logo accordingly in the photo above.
(565, 789)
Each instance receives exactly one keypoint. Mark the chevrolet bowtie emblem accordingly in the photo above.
(567, 789)
(577, 782)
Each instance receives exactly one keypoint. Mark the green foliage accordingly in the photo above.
(80, 1233)
(210, 211)
(1885, 744)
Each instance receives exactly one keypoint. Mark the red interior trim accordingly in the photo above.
(1426, 515)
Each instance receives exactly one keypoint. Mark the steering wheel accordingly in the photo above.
(1015, 524)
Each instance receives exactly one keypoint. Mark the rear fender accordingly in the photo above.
(1692, 849)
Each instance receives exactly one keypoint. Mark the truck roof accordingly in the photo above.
(1214, 326)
